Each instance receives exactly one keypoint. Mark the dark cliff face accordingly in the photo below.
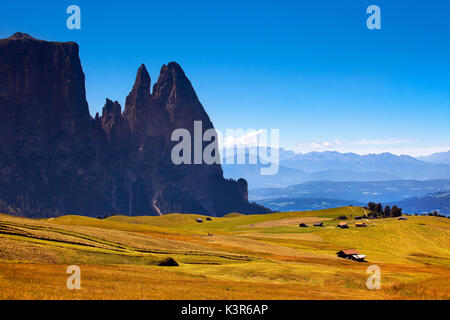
(47, 148)
(54, 152)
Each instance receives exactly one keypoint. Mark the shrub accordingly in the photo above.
(168, 262)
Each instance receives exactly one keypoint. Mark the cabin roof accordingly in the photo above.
(349, 252)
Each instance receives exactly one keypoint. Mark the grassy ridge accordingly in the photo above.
(233, 257)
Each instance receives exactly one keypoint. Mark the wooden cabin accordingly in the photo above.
(343, 225)
(351, 254)
(303, 225)
(318, 224)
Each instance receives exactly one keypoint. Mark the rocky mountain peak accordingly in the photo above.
(173, 84)
(53, 152)
(142, 82)
(139, 96)
(21, 36)
(111, 115)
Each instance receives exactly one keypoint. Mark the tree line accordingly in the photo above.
(377, 210)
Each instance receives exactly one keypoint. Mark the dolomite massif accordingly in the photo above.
(55, 153)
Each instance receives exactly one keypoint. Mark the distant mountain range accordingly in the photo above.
(404, 167)
(288, 176)
(439, 201)
(378, 191)
(320, 180)
(306, 204)
(295, 168)
(439, 158)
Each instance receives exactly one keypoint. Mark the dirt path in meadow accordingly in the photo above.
(287, 222)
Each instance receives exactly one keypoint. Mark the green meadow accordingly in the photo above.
(233, 257)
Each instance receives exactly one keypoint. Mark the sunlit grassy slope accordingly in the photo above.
(234, 257)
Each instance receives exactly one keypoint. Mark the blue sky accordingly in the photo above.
(309, 68)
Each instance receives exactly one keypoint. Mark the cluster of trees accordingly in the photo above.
(376, 209)
(26, 207)
(104, 216)
(435, 213)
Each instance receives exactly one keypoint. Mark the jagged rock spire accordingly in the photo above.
(140, 95)
(111, 115)
(142, 82)
(55, 153)
(173, 84)
(138, 102)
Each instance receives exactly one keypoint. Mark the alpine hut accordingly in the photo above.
(351, 254)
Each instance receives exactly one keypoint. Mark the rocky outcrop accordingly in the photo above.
(54, 152)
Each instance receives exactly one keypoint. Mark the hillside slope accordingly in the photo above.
(234, 257)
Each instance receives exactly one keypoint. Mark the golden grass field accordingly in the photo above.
(234, 257)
